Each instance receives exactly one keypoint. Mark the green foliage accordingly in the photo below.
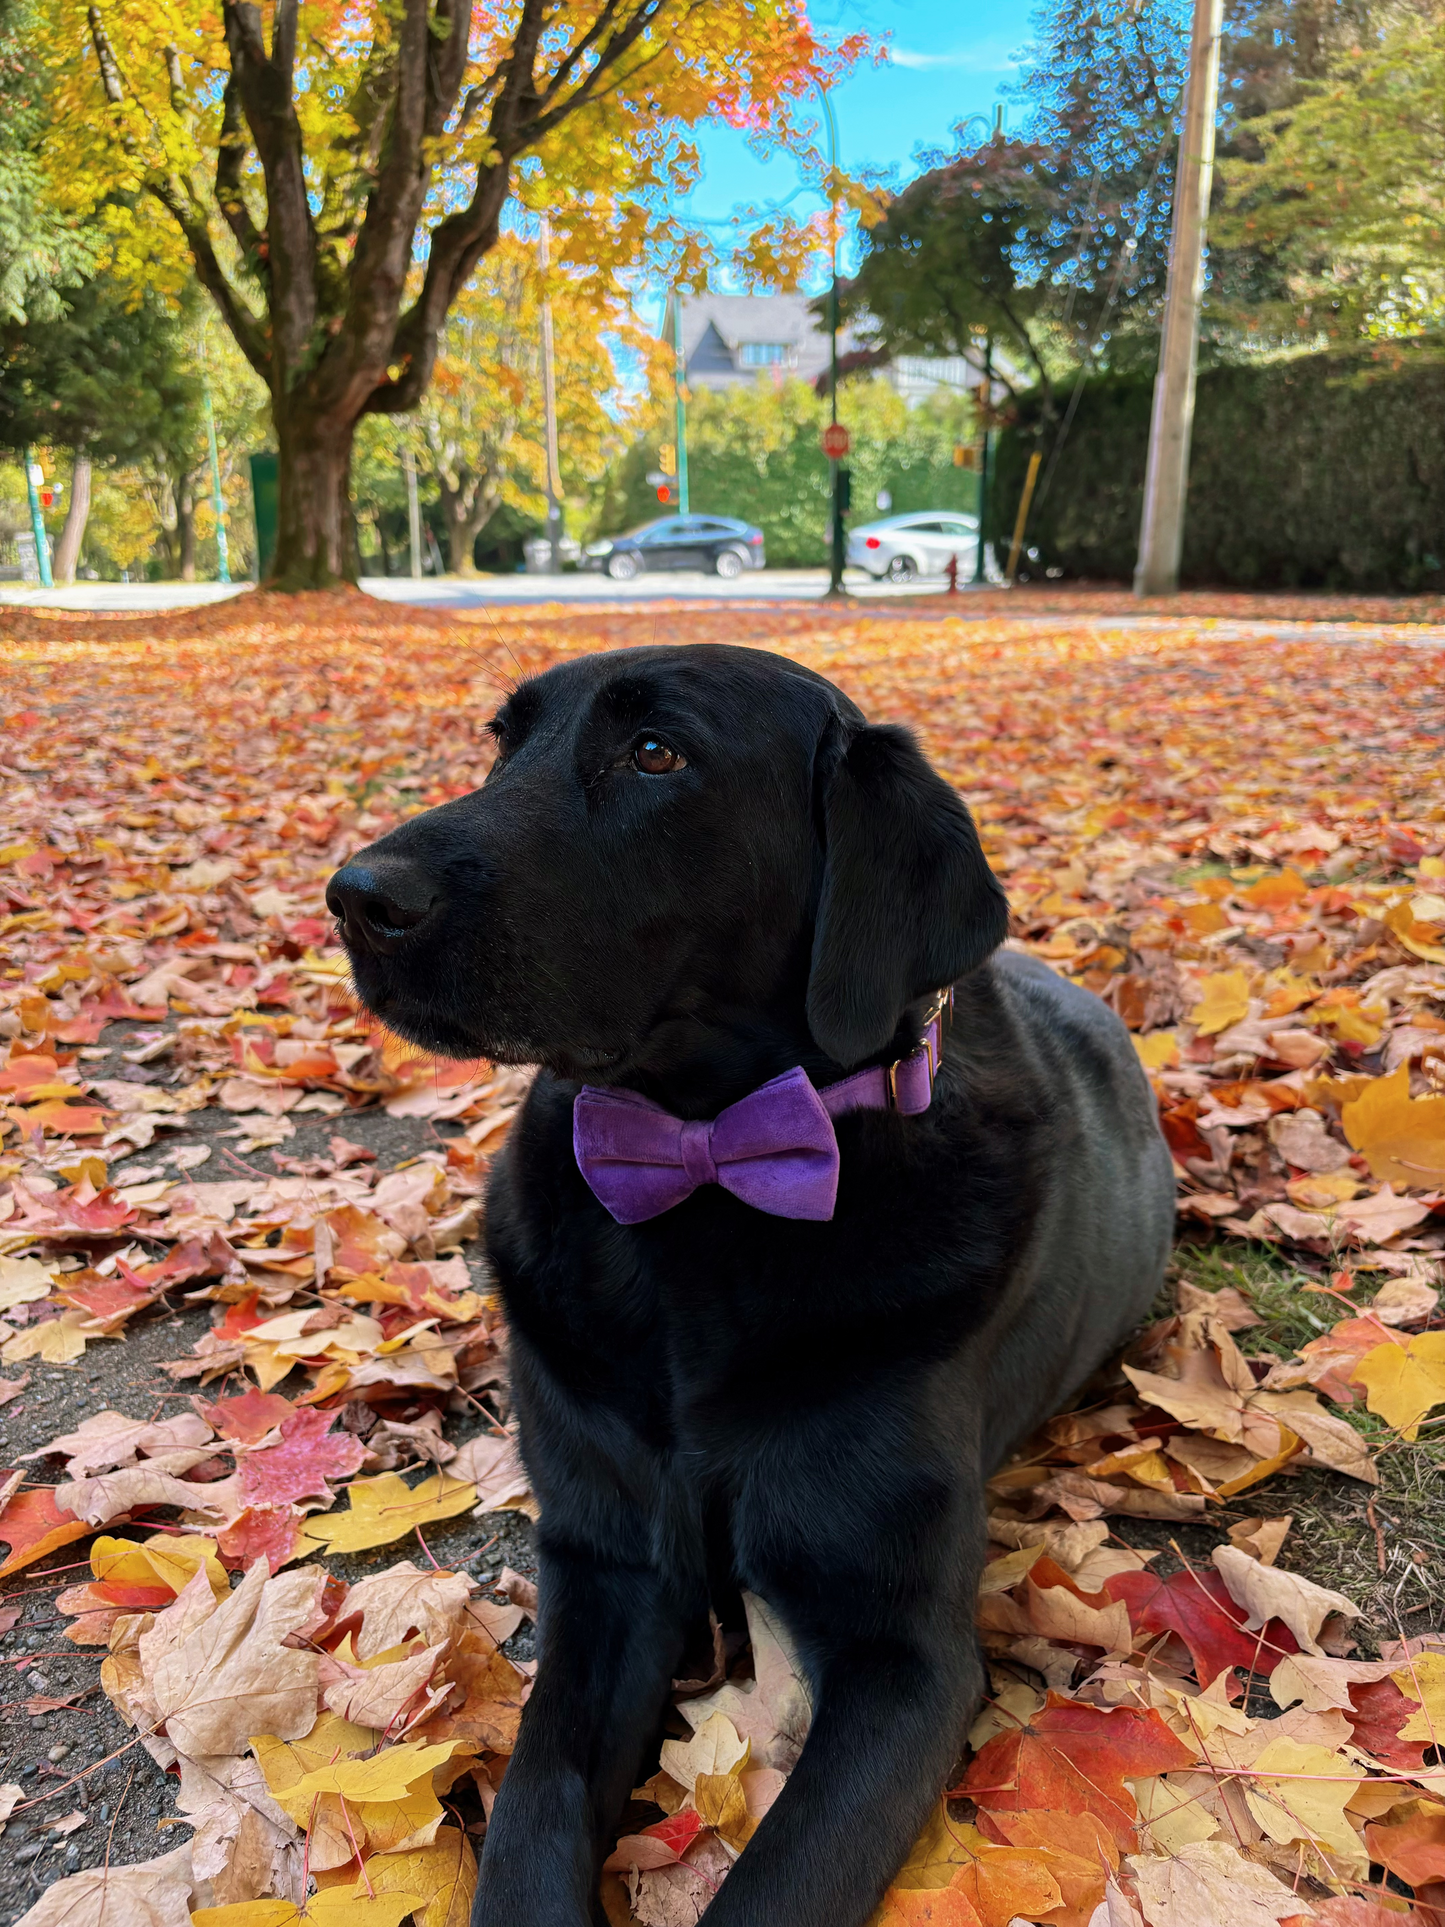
(1344, 199)
(754, 452)
(1318, 471)
(39, 249)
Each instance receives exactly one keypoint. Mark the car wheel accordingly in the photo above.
(621, 566)
(902, 568)
(728, 564)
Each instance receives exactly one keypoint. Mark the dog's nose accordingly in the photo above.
(379, 908)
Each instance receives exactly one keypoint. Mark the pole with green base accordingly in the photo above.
(223, 555)
(680, 378)
(37, 523)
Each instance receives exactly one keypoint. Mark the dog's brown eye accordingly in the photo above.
(654, 758)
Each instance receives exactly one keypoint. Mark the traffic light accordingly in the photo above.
(664, 493)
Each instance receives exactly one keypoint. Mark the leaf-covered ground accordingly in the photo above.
(268, 1624)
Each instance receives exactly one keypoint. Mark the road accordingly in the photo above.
(454, 592)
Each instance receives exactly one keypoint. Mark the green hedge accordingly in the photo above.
(753, 452)
(1323, 471)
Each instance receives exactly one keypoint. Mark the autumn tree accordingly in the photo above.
(336, 174)
(480, 427)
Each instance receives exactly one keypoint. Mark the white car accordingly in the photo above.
(902, 547)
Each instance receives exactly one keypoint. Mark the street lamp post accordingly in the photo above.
(986, 396)
(679, 377)
(549, 411)
(835, 471)
(37, 522)
(223, 557)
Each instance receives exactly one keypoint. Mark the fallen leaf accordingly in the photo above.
(1413, 1849)
(1261, 1538)
(1224, 1000)
(308, 1455)
(150, 1893)
(385, 1509)
(1401, 1137)
(1300, 1792)
(111, 1439)
(404, 1600)
(1074, 1759)
(1268, 1593)
(1209, 1883)
(442, 1876)
(1404, 1382)
(1200, 1609)
(332, 1907)
(32, 1525)
(232, 1676)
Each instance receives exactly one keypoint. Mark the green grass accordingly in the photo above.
(1332, 1540)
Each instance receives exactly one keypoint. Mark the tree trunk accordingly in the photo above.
(467, 511)
(316, 546)
(67, 549)
(186, 527)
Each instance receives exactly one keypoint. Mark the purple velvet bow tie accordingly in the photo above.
(775, 1148)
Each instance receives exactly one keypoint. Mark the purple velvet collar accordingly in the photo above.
(775, 1148)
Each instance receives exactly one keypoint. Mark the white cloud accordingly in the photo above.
(984, 58)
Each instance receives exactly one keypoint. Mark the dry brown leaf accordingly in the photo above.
(404, 1600)
(1208, 1883)
(231, 1676)
(151, 1893)
(1261, 1538)
(774, 1712)
(1267, 1592)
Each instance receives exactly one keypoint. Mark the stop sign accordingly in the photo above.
(835, 441)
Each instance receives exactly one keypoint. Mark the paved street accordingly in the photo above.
(452, 592)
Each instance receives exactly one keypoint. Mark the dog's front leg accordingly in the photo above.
(889, 1723)
(609, 1637)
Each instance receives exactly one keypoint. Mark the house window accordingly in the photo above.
(768, 354)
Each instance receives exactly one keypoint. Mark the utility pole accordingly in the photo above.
(1161, 535)
(835, 469)
(413, 511)
(34, 475)
(985, 395)
(549, 411)
(223, 557)
(679, 376)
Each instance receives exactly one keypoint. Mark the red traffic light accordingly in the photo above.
(47, 498)
(664, 494)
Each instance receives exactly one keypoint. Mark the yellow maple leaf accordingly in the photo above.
(333, 1907)
(1225, 1001)
(1401, 1137)
(386, 1508)
(1404, 1382)
(1301, 1793)
(1158, 1050)
(388, 1775)
(162, 1560)
(1423, 1679)
(443, 1876)
(58, 1341)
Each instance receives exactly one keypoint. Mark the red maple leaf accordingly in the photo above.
(1074, 1759)
(678, 1830)
(269, 1532)
(1381, 1709)
(299, 1467)
(1197, 1607)
(249, 1416)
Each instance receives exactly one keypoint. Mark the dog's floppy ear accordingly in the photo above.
(908, 902)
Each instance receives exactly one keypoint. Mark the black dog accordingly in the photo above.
(692, 870)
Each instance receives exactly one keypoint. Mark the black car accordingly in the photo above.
(681, 542)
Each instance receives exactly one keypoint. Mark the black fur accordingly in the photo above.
(717, 1400)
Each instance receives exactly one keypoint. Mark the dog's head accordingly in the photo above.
(672, 843)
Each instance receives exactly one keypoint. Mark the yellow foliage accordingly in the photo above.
(1401, 1137)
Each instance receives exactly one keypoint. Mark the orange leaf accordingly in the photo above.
(32, 1525)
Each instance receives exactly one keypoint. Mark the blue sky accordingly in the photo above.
(948, 59)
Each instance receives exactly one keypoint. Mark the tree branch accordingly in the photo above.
(230, 163)
(247, 326)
